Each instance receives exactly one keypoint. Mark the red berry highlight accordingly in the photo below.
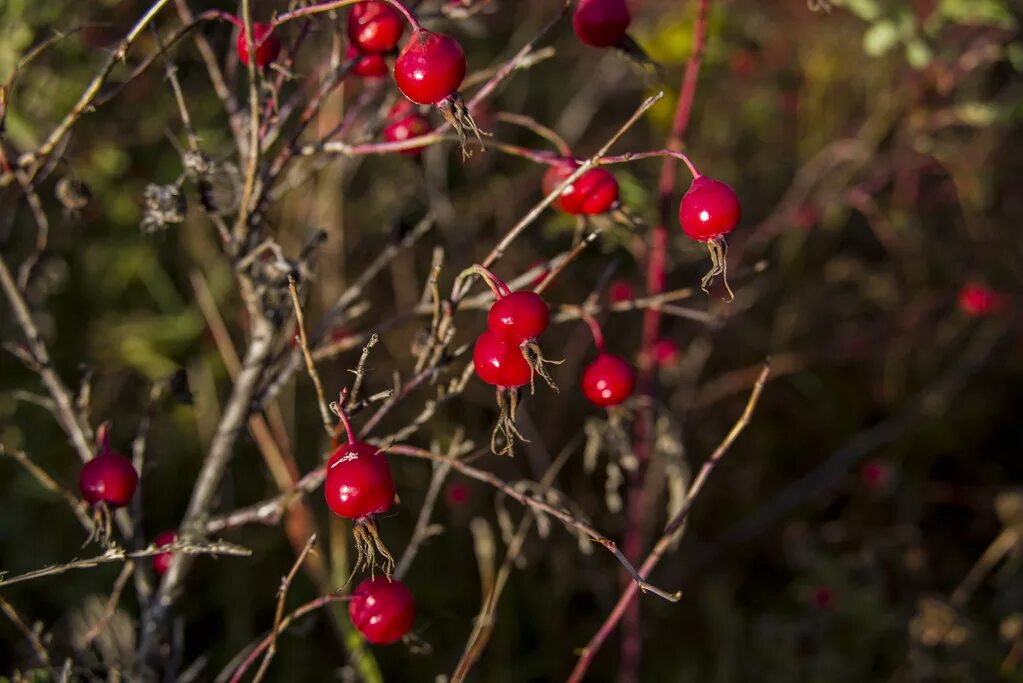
(382, 609)
(608, 381)
(601, 23)
(162, 562)
(375, 26)
(500, 363)
(358, 482)
(709, 210)
(594, 192)
(268, 45)
(978, 300)
(108, 478)
(430, 67)
(366, 65)
(519, 317)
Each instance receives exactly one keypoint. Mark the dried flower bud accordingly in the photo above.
(72, 193)
(164, 205)
(197, 165)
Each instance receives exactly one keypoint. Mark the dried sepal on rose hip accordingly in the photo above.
(359, 486)
(507, 355)
(382, 609)
(429, 70)
(710, 210)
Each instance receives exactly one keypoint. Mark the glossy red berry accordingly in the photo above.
(430, 67)
(500, 363)
(375, 26)
(709, 210)
(403, 128)
(519, 316)
(601, 23)
(978, 300)
(382, 609)
(359, 481)
(608, 381)
(366, 64)
(268, 45)
(594, 192)
(108, 478)
(162, 562)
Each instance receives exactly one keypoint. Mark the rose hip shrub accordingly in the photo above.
(891, 318)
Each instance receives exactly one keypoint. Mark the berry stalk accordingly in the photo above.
(337, 4)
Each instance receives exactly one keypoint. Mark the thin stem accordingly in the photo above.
(671, 530)
(337, 4)
(636, 156)
(310, 365)
(342, 414)
(529, 123)
(598, 336)
(496, 285)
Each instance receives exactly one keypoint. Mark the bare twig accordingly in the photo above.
(310, 365)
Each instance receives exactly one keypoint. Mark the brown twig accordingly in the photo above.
(310, 365)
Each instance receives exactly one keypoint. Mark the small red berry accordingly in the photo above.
(375, 26)
(709, 210)
(519, 316)
(608, 381)
(268, 45)
(620, 290)
(665, 351)
(457, 494)
(382, 609)
(601, 23)
(430, 67)
(109, 478)
(500, 363)
(412, 126)
(876, 474)
(594, 192)
(359, 481)
(161, 562)
(367, 64)
(978, 300)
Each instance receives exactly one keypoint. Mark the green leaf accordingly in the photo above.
(975, 12)
(918, 54)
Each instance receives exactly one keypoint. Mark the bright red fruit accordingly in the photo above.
(359, 481)
(500, 363)
(268, 45)
(608, 381)
(601, 23)
(665, 351)
(595, 192)
(412, 126)
(519, 316)
(430, 67)
(375, 26)
(161, 562)
(709, 210)
(382, 609)
(109, 478)
(367, 65)
(978, 300)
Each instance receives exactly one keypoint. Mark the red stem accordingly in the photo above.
(637, 504)
(598, 336)
(344, 417)
(496, 284)
(226, 16)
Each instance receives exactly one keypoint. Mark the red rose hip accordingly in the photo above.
(601, 23)
(979, 300)
(382, 609)
(608, 380)
(358, 482)
(162, 562)
(367, 65)
(519, 317)
(405, 128)
(268, 45)
(500, 363)
(108, 478)
(375, 26)
(594, 192)
(709, 210)
(430, 67)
